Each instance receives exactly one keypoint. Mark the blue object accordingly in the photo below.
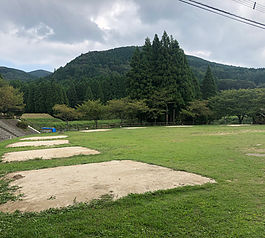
(48, 129)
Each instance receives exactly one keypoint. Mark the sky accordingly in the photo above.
(47, 34)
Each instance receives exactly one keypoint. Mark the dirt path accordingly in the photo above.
(44, 138)
(38, 143)
(63, 186)
(47, 153)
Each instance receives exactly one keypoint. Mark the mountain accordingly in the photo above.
(40, 73)
(96, 64)
(102, 63)
(15, 74)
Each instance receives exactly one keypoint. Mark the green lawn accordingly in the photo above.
(233, 207)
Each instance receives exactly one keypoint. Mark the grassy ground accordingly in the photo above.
(234, 207)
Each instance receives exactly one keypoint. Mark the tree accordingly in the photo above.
(208, 87)
(197, 112)
(161, 69)
(11, 100)
(92, 110)
(118, 107)
(240, 103)
(65, 113)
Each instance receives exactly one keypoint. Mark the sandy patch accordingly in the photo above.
(178, 126)
(63, 186)
(96, 130)
(237, 125)
(44, 138)
(256, 155)
(38, 143)
(133, 128)
(47, 153)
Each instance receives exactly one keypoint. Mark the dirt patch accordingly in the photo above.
(38, 143)
(63, 186)
(256, 155)
(96, 130)
(238, 125)
(47, 153)
(178, 126)
(44, 138)
(133, 128)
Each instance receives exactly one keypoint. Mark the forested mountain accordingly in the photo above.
(222, 71)
(15, 74)
(102, 63)
(40, 73)
(96, 64)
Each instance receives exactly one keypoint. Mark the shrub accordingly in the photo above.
(22, 124)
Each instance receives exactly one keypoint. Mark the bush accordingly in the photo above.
(22, 124)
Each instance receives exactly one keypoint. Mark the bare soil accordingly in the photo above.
(133, 128)
(64, 186)
(179, 126)
(256, 155)
(96, 130)
(47, 153)
(44, 138)
(38, 143)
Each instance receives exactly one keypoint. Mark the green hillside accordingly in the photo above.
(102, 63)
(40, 73)
(15, 74)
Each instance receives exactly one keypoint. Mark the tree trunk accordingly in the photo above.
(174, 115)
(96, 121)
(166, 115)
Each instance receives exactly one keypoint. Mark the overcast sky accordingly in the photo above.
(46, 34)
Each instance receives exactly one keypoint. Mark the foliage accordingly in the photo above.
(197, 112)
(92, 110)
(240, 103)
(160, 68)
(118, 108)
(227, 84)
(22, 124)
(208, 87)
(11, 100)
(65, 113)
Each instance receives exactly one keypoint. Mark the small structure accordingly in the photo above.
(48, 129)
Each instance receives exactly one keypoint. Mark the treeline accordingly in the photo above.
(42, 95)
(11, 100)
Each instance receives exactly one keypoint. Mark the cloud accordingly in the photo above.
(48, 33)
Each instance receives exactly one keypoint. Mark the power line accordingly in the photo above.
(251, 4)
(224, 13)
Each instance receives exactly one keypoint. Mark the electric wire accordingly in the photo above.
(251, 4)
(224, 14)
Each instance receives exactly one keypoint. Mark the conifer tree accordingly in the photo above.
(208, 87)
(161, 69)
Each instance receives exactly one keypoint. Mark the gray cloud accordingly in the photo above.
(51, 33)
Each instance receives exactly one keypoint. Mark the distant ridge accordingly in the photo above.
(40, 73)
(16, 74)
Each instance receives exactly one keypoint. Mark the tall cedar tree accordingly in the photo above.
(161, 76)
(208, 88)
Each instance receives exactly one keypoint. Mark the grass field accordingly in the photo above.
(233, 207)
